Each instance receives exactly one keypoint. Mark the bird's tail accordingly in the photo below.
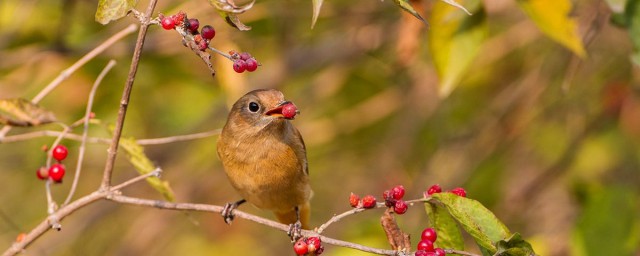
(290, 217)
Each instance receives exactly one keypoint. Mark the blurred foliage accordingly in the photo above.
(548, 141)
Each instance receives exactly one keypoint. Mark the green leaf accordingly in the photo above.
(110, 10)
(406, 6)
(454, 41)
(317, 5)
(230, 11)
(22, 112)
(632, 14)
(551, 16)
(514, 246)
(449, 235)
(474, 218)
(136, 156)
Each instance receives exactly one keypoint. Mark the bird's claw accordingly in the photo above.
(295, 231)
(227, 212)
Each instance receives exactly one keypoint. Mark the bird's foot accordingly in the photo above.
(295, 231)
(227, 212)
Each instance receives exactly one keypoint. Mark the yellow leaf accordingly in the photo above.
(552, 17)
(454, 40)
(22, 112)
(139, 160)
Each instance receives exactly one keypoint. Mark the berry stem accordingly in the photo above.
(85, 129)
(220, 52)
(337, 218)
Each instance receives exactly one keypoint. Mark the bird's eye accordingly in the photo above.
(254, 107)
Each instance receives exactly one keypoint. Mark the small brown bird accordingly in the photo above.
(265, 158)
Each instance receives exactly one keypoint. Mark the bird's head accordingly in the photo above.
(260, 108)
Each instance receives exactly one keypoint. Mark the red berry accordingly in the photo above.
(397, 192)
(388, 198)
(434, 189)
(440, 252)
(300, 247)
(56, 172)
(368, 201)
(60, 152)
(420, 253)
(245, 56)
(252, 64)
(353, 200)
(429, 234)
(42, 173)
(208, 32)
(425, 245)
(178, 19)
(289, 111)
(239, 66)
(313, 243)
(194, 24)
(168, 23)
(400, 207)
(203, 45)
(459, 191)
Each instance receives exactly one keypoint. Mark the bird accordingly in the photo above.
(264, 158)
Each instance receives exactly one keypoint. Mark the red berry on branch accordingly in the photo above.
(42, 173)
(425, 245)
(440, 252)
(194, 24)
(60, 152)
(368, 202)
(459, 191)
(245, 56)
(400, 207)
(434, 189)
(313, 244)
(208, 32)
(239, 66)
(353, 200)
(429, 234)
(397, 192)
(168, 23)
(388, 198)
(178, 19)
(56, 172)
(203, 45)
(300, 247)
(420, 253)
(252, 64)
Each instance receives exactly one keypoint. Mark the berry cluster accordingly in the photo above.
(243, 61)
(393, 199)
(308, 245)
(426, 247)
(437, 189)
(202, 38)
(56, 171)
(366, 202)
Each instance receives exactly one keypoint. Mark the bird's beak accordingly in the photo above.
(277, 111)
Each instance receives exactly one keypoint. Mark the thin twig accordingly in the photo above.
(452, 251)
(178, 138)
(154, 173)
(85, 131)
(124, 103)
(337, 218)
(67, 72)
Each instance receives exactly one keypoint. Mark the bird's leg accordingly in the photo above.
(227, 212)
(295, 229)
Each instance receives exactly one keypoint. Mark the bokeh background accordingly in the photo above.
(548, 141)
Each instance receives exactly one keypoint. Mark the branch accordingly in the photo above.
(67, 72)
(113, 147)
(85, 130)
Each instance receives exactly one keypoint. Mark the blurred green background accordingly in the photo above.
(550, 142)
